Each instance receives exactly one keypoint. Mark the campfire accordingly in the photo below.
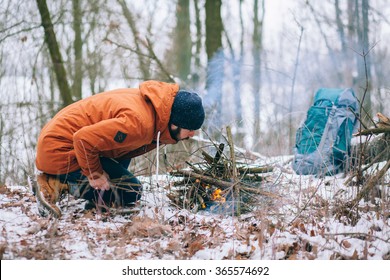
(220, 184)
(216, 196)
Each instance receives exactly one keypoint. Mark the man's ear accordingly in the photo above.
(173, 127)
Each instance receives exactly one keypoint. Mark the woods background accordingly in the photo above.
(256, 63)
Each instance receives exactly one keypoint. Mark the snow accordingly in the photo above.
(295, 224)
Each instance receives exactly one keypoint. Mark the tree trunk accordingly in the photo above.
(182, 38)
(215, 60)
(78, 50)
(198, 45)
(55, 55)
(365, 42)
(340, 26)
(257, 39)
(291, 133)
(237, 66)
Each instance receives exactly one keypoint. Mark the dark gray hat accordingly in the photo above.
(187, 110)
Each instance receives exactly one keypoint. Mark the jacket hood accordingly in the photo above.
(161, 95)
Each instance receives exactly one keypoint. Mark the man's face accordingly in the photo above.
(178, 133)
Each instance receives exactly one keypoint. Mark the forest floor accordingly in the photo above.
(297, 223)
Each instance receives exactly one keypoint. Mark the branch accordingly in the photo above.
(370, 184)
(17, 32)
(233, 159)
(254, 170)
(219, 183)
(370, 131)
(358, 235)
(149, 46)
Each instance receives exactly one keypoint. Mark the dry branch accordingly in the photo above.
(346, 209)
(234, 167)
(376, 130)
(254, 170)
(382, 126)
(220, 183)
(372, 182)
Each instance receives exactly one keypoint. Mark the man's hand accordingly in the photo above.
(99, 181)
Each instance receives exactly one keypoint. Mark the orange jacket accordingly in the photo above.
(119, 124)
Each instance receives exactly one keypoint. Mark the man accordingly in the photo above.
(87, 147)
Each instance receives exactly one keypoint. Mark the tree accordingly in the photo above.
(78, 50)
(257, 39)
(143, 65)
(198, 45)
(215, 60)
(182, 40)
(55, 54)
(364, 62)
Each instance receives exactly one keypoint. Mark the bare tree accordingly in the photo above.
(365, 64)
(55, 54)
(182, 40)
(143, 65)
(257, 39)
(198, 45)
(215, 58)
(78, 50)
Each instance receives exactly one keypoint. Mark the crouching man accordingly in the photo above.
(87, 147)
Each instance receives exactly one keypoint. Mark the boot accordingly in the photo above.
(47, 190)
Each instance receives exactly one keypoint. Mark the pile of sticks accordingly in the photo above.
(219, 183)
(371, 152)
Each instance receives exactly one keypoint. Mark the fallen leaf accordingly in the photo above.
(195, 247)
(346, 244)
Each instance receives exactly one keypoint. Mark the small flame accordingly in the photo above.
(217, 196)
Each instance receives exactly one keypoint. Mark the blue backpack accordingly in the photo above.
(323, 141)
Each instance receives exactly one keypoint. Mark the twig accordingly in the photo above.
(372, 162)
(370, 184)
(233, 159)
(209, 159)
(358, 234)
(348, 207)
(254, 170)
(197, 170)
(219, 153)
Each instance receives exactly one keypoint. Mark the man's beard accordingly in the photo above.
(175, 133)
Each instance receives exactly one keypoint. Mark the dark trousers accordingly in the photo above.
(124, 191)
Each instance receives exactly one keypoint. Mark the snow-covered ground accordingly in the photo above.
(297, 222)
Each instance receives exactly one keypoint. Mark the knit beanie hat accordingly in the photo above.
(187, 110)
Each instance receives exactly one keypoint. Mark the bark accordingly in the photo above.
(182, 37)
(213, 27)
(237, 65)
(292, 94)
(215, 61)
(340, 26)
(198, 45)
(364, 61)
(257, 39)
(55, 54)
(78, 50)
